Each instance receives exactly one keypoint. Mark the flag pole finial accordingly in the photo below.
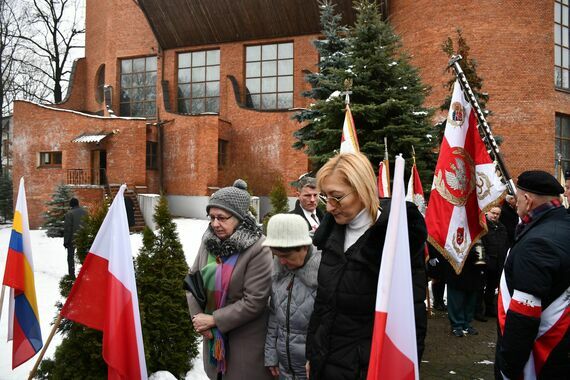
(347, 92)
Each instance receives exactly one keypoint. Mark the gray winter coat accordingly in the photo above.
(292, 296)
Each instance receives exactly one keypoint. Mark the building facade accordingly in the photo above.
(182, 97)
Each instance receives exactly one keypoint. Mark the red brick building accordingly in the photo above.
(185, 96)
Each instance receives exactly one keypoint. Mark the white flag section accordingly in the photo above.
(348, 140)
(104, 296)
(383, 180)
(394, 352)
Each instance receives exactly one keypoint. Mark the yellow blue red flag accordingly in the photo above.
(24, 322)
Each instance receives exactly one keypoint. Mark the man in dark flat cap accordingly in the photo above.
(534, 296)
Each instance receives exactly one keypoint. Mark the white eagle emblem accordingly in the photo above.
(457, 179)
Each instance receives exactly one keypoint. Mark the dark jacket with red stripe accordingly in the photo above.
(340, 329)
(538, 264)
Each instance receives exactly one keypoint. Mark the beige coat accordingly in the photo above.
(244, 318)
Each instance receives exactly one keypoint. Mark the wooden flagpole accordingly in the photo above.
(48, 341)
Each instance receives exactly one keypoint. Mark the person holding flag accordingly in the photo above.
(351, 237)
(24, 320)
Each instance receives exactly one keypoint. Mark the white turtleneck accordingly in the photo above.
(357, 227)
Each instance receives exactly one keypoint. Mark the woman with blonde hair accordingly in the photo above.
(351, 237)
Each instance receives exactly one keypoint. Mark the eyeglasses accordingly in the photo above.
(220, 219)
(334, 201)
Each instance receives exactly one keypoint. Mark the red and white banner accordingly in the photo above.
(465, 185)
(416, 191)
(384, 179)
(104, 296)
(348, 140)
(393, 354)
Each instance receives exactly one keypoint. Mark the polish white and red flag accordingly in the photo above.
(384, 179)
(348, 140)
(393, 354)
(415, 190)
(464, 187)
(104, 296)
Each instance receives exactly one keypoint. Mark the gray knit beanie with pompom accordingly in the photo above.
(234, 199)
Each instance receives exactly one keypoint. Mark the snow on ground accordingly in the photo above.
(50, 265)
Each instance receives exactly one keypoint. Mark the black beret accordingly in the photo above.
(567, 175)
(539, 182)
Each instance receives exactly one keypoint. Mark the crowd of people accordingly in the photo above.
(299, 302)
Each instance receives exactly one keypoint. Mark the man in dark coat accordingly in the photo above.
(509, 218)
(567, 187)
(340, 337)
(72, 223)
(307, 202)
(495, 243)
(534, 309)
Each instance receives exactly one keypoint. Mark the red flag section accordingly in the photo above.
(393, 354)
(104, 296)
(416, 191)
(465, 185)
(384, 180)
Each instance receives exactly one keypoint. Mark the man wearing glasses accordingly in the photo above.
(307, 201)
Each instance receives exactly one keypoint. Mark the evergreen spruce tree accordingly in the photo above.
(80, 353)
(57, 207)
(387, 97)
(6, 197)
(169, 337)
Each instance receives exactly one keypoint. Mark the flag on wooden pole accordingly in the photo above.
(393, 354)
(465, 185)
(384, 174)
(24, 320)
(415, 189)
(348, 140)
(104, 296)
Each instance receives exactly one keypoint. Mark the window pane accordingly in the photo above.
(213, 57)
(198, 58)
(557, 12)
(126, 81)
(268, 52)
(253, 69)
(125, 96)
(183, 90)
(184, 76)
(183, 106)
(198, 90)
(150, 93)
(285, 84)
(558, 77)
(213, 73)
(557, 34)
(285, 100)
(286, 50)
(255, 100)
(198, 74)
(269, 84)
(565, 56)
(286, 67)
(212, 104)
(150, 63)
(138, 65)
(126, 66)
(565, 36)
(557, 56)
(565, 16)
(268, 101)
(125, 109)
(138, 80)
(184, 60)
(212, 88)
(150, 79)
(269, 68)
(565, 127)
(150, 109)
(253, 53)
(198, 106)
(253, 85)
(565, 81)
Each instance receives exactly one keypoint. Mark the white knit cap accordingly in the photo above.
(286, 231)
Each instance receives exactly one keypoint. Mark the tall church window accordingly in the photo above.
(138, 87)
(562, 142)
(199, 82)
(561, 44)
(269, 76)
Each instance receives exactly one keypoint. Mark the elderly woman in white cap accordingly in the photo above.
(292, 295)
(236, 270)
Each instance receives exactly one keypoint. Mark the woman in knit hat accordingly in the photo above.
(292, 295)
(236, 269)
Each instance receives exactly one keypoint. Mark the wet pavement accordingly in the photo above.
(450, 357)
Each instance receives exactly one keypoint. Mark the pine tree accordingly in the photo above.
(57, 207)
(169, 337)
(387, 97)
(80, 351)
(6, 197)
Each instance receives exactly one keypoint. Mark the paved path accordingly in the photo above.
(449, 357)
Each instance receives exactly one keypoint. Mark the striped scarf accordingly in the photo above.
(217, 275)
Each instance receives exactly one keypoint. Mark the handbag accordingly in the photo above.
(194, 283)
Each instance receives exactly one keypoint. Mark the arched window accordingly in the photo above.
(100, 83)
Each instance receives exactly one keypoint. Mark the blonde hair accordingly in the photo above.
(356, 171)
